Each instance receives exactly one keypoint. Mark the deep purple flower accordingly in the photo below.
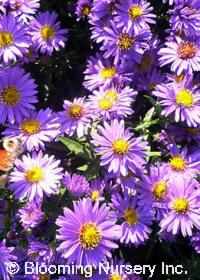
(185, 18)
(182, 54)
(13, 39)
(87, 233)
(31, 215)
(76, 184)
(180, 99)
(83, 8)
(101, 72)
(134, 220)
(17, 95)
(183, 207)
(24, 9)
(46, 33)
(182, 164)
(35, 175)
(96, 189)
(112, 102)
(123, 44)
(40, 252)
(35, 129)
(119, 149)
(148, 81)
(76, 117)
(134, 14)
(154, 186)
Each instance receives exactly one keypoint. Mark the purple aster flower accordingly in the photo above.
(24, 9)
(195, 241)
(154, 186)
(96, 189)
(123, 44)
(150, 80)
(112, 102)
(35, 175)
(181, 99)
(35, 129)
(101, 14)
(83, 8)
(181, 133)
(76, 184)
(182, 164)
(182, 54)
(6, 256)
(183, 207)
(46, 33)
(30, 56)
(100, 72)
(87, 233)
(134, 14)
(103, 10)
(13, 39)
(119, 149)
(31, 215)
(134, 220)
(40, 252)
(185, 18)
(17, 95)
(150, 57)
(76, 117)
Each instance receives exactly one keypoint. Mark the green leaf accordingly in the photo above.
(149, 115)
(77, 148)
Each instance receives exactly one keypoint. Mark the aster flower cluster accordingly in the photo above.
(108, 173)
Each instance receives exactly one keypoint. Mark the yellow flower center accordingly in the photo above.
(34, 255)
(159, 190)
(120, 146)
(30, 126)
(105, 104)
(44, 277)
(75, 112)
(108, 73)
(187, 50)
(112, 95)
(130, 216)
(125, 42)
(95, 195)
(10, 96)
(85, 11)
(34, 175)
(6, 39)
(89, 236)
(29, 54)
(178, 163)
(184, 97)
(152, 86)
(146, 62)
(192, 130)
(115, 277)
(181, 205)
(17, 5)
(47, 32)
(179, 79)
(134, 12)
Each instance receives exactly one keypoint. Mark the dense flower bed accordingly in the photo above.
(100, 134)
